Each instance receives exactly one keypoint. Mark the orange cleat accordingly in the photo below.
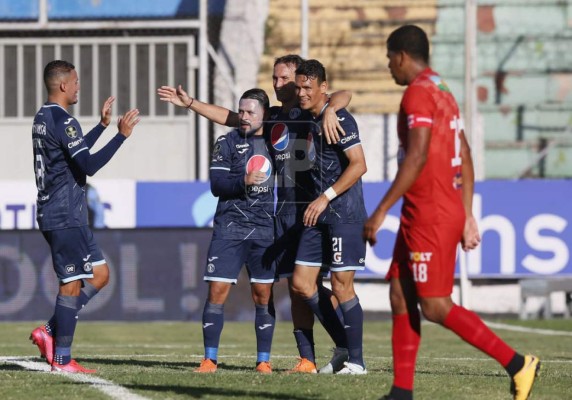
(207, 367)
(304, 366)
(73, 367)
(264, 367)
(45, 343)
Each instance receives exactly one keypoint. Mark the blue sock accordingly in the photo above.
(325, 312)
(66, 313)
(305, 343)
(86, 294)
(213, 321)
(51, 326)
(353, 318)
(264, 325)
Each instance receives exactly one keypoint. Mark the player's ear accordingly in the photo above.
(324, 87)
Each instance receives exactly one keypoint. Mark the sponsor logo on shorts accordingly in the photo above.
(337, 258)
(420, 256)
(361, 261)
(70, 268)
(87, 267)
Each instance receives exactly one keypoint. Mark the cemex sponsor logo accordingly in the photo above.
(259, 163)
(280, 136)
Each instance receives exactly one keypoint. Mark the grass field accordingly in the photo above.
(155, 361)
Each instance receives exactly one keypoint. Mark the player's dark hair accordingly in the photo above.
(259, 95)
(410, 39)
(290, 59)
(313, 69)
(54, 69)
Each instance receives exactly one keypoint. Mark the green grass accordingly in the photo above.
(155, 360)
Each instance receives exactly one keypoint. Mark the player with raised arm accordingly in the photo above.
(61, 162)
(435, 179)
(333, 220)
(287, 135)
(242, 177)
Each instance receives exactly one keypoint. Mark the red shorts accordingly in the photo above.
(427, 255)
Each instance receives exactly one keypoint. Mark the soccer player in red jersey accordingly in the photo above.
(435, 179)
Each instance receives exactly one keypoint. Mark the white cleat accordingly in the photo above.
(339, 357)
(352, 369)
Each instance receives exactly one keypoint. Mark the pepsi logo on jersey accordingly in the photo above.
(280, 136)
(259, 163)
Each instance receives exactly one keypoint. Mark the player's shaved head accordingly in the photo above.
(55, 71)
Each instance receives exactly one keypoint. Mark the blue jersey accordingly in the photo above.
(329, 162)
(243, 212)
(288, 136)
(57, 138)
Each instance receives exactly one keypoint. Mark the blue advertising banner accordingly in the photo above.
(525, 225)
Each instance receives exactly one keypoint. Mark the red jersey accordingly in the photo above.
(435, 196)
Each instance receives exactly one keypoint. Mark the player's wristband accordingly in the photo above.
(330, 193)
(190, 104)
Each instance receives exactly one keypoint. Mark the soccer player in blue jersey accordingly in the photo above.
(334, 219)
(61, 162)
(287, 136)
(242, 177)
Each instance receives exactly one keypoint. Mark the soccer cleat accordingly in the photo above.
(339, 357)
(73, 367)
(352, 369)
(264, 367)
(207, 366)
(45, 343)
(522, 382)
(304, 366)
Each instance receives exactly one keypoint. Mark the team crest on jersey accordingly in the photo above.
(259, 163)
(280, 136)
(294, 113)
(71, 131)
(440, 83)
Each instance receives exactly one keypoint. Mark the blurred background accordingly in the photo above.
(508, 63)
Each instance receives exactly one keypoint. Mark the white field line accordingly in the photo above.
(516, 328)
(109, 388)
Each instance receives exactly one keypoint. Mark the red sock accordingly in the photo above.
(472, 330)
(405, 339)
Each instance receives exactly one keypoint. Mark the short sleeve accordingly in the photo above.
(349, 126)
(419, 107)
(70, 136)
(221, 158)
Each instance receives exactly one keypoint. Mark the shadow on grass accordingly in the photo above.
(201, 391)
(186, 365)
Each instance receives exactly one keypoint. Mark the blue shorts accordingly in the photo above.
(287, 234)
(339, 247)
(226, 258)
(74, 253)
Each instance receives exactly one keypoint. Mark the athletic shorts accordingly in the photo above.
(226, 258)
(427, 255)
(74, 253)
(286, 238)
(340, 247)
